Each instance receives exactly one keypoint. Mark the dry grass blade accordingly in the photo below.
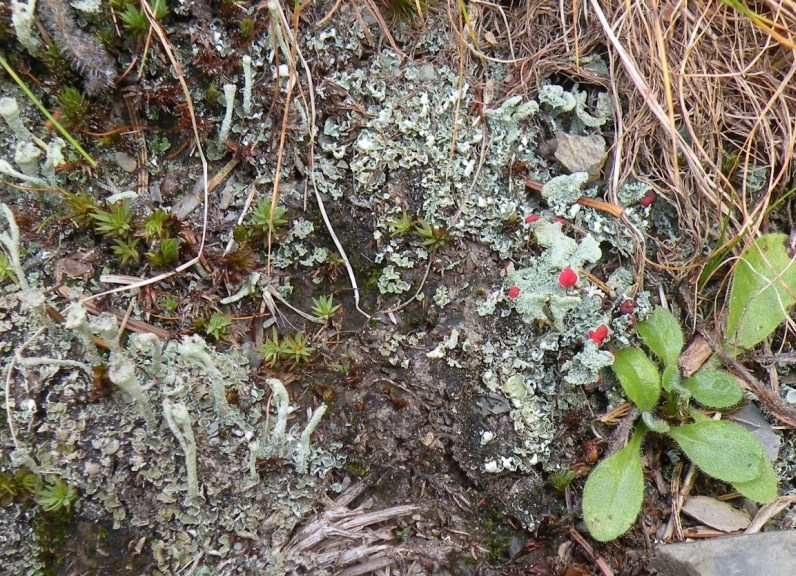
(349, 540)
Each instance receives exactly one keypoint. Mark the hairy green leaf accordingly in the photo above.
(614, 492)
(762, 489)
(662, 334)
(714, 388)
(654, 424)
(763, 288)
(639, 377)
(721, 449)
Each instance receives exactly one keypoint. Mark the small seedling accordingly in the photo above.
(560, 479)
(405, 10)
(22, 484)
(324, 307)
(296, 349)
(402, 224)
(135, 21)
(169, 303)
(117, 222)
(165, 254)
(127, 250)
(434, 238)
(82, 207)
(218, 325)
(263, 220)
(158, 225)
(56, 495)
(614, 492)
(246, 28)
(73, 106)
(271, 349)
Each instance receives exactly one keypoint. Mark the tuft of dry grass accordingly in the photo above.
(350, 540)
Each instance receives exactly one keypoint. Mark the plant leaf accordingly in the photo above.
(639, 377)
(714, 388)
(671, 381)
(654, 424)
(721, 449)
(662, 334)
(614, 492)
(763, 288)
(762, 489)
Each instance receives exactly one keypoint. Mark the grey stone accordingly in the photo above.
(764, 554)
(581, 153)
(752, 419)
(716, 514)
(125, 161)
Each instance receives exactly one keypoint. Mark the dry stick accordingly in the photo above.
(622, 432)
(768, 511)
(189, 103)
(770, 400)
(322, 22)
(385, 29)
(275, 9)
(589, 551)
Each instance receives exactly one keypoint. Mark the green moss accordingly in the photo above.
(358, 469)
(52, 531)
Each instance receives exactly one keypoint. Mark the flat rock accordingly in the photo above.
(753, 420)
(764, 554)
(581, 153)
(716, 514)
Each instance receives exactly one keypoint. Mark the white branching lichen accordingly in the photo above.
(179, 421)
(122, 373)
(106, 326)
(8, 170)
(22, 17)
(10, 240)
(248, 80)
(77, 321)
(194, 350)
(226, 124)
(274, 441)
(303, 451)
(26, 155)
(55, 157)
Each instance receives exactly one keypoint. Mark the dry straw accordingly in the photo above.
(700, 91)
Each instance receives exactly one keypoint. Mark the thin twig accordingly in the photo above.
(589, 551)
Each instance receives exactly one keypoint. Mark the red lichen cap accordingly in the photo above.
(599, 334)
(513, 292)
(627, 307)
(531, 218)
(568, 278)
(648, 199)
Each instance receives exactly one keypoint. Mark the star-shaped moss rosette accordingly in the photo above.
(547, 290)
